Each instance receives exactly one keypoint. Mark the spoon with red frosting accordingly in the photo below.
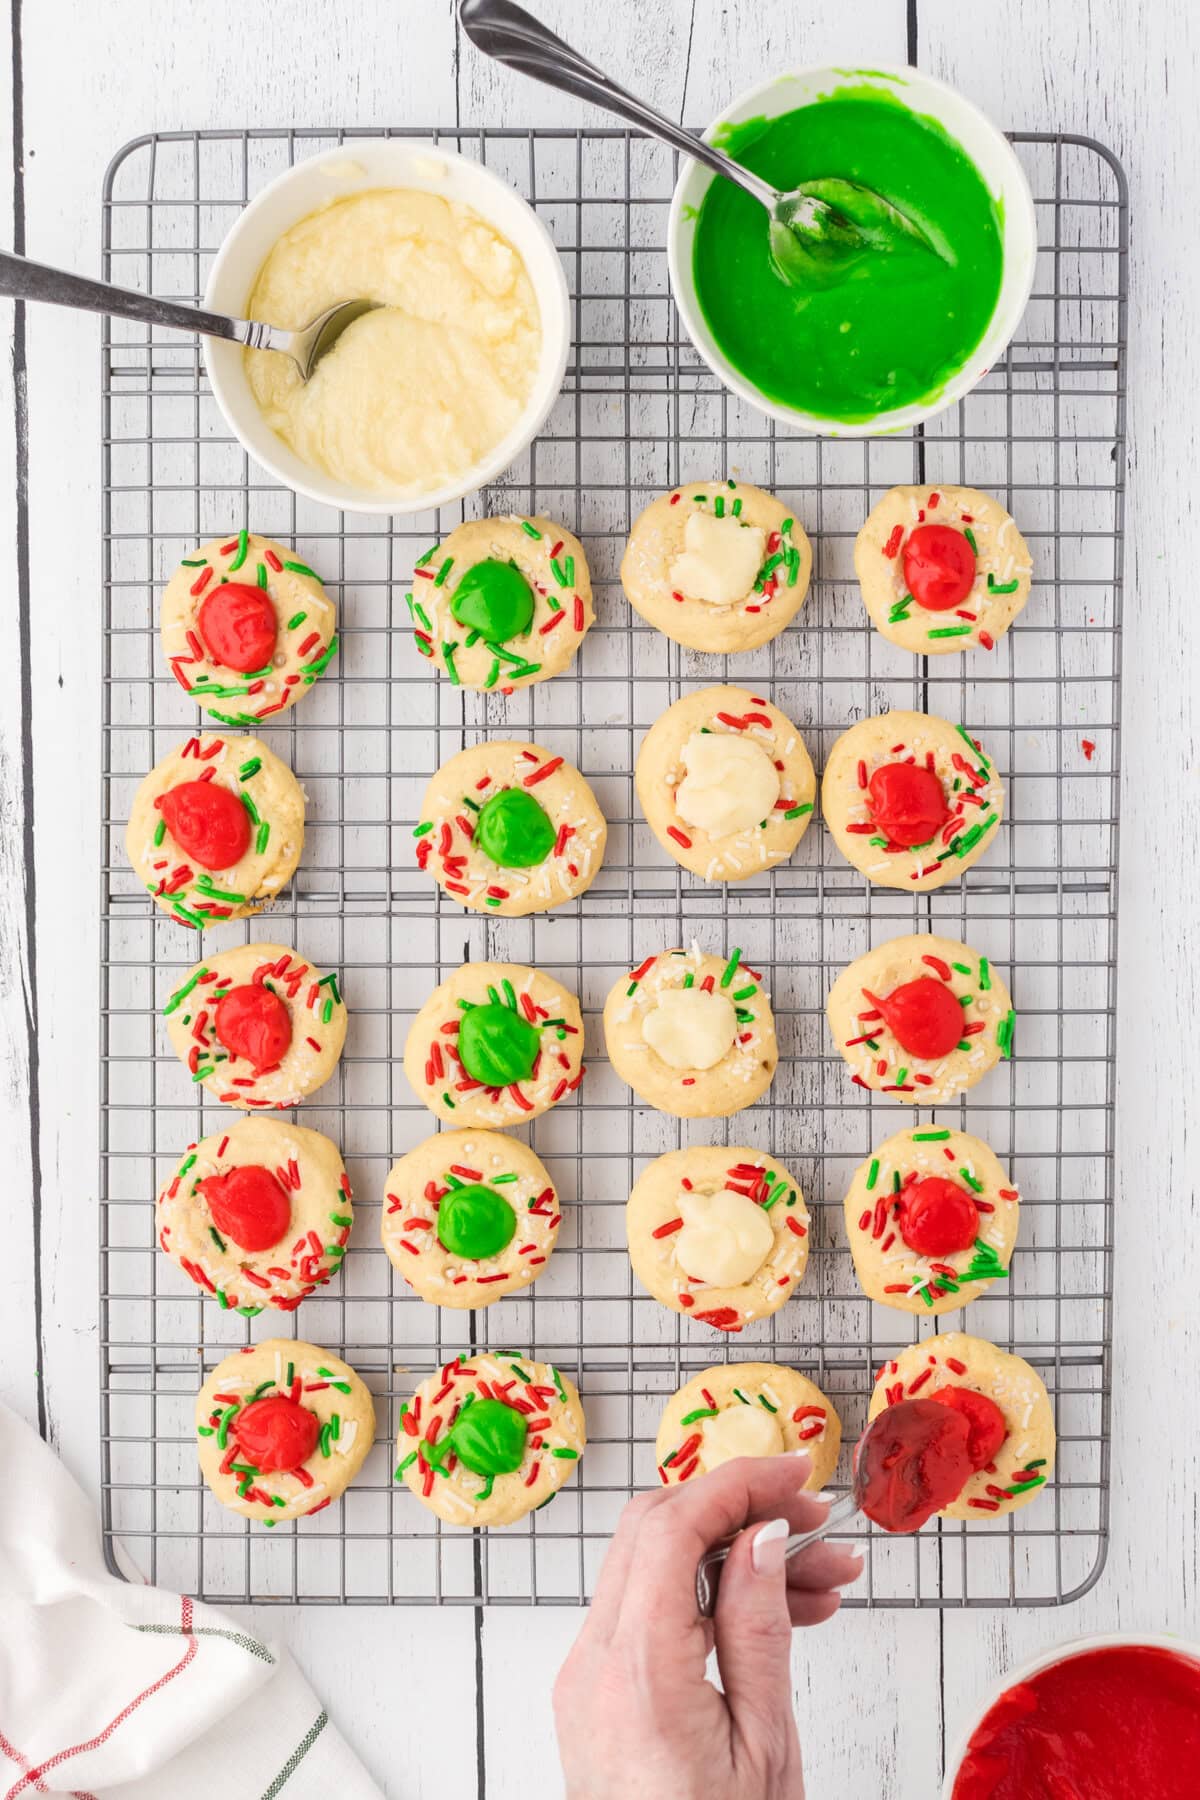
(910, 1462)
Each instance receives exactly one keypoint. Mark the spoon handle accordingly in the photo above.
(21, 279)
(510, 35)
(708, 1569)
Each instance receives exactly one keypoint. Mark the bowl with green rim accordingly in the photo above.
(971, 133)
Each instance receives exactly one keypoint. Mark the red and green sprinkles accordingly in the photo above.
(870, 1020)
(251, 1484)
(766, 1188)
(462, 824)
(205, 688)
(430, 1422)
(788, 806)
(781, 567)
(684, 1461)
(1021, 1481)
(285, 978)
(206, 901)
(310, 1263)
(901, 609)
(943, 1280)
(507, 665)
(444, 1064)
(962, 831)
(527, 1254)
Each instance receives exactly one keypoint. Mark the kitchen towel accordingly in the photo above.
(113, 1688)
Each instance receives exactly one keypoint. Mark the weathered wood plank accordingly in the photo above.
(20, 1353)
(1124, 77)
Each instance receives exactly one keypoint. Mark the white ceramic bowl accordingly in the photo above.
(987, 148)
(1061, 1653)
(349, 169)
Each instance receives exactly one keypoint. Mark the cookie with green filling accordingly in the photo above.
(468, 1216)
(501, 603)
(490, 1437)
(495, 1045)
(510, 828)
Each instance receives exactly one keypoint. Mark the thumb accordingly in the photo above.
(754, 1634)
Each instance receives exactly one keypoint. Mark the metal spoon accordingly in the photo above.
(708, 1569)
(817, 231)
(21, 279)
(897, 1439)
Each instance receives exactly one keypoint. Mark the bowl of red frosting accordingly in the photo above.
(1104, 1718)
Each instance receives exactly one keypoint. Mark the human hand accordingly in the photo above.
(635, 1715)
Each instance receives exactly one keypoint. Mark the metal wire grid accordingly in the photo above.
(638, 413)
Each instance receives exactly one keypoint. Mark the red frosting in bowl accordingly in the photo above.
(1121, 1723)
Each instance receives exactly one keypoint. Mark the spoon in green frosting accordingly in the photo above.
(819, 230)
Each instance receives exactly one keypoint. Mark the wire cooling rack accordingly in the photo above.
(638, 413)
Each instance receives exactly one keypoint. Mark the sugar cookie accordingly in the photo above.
(490, 1438)
(726, 783)
(258, 1215)
(941, 569)
(216, 829)
(503, 602)
(468, 1216)
(932, 1219)
(246, 628)
(691, 1034)
(282, 1428)
(921, 1017)
(718, 1234)
(746, 1409)
(717, 565)
(910, 800)
(508, 828)
(257, 1026)
(1012, 1437)
(496, 1044)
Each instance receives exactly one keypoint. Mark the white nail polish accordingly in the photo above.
(766, 1552)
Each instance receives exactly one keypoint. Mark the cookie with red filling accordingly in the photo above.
(259, 1026)
(921, 1017)
(931, 1219)
(1005, 1404)
(282, 1428)
(216, 829)
(258, 1215)
(247, 627)
(912, 801)
(942, 569)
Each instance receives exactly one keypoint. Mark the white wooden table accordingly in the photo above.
(877, 1695)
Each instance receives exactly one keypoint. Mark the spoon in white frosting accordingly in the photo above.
(21, 279)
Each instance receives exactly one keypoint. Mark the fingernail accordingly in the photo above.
(766, 1552)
